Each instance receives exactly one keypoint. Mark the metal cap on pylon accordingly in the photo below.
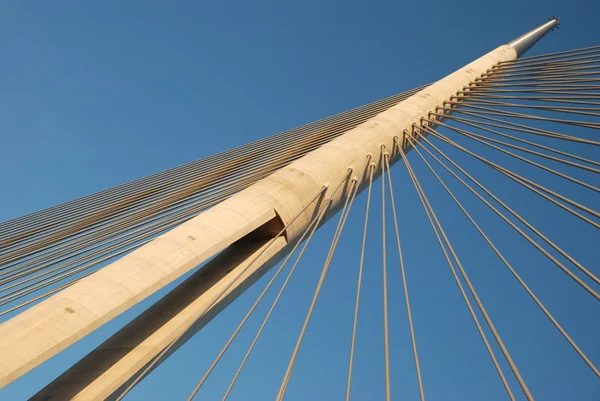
(525, 42)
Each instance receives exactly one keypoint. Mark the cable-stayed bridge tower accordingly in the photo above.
(240, 213)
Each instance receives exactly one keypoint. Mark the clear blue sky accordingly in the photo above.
(94, 94)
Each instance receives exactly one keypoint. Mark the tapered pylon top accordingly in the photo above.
(525, 42)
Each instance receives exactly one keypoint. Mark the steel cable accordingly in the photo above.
(509, 266)
(455, 275)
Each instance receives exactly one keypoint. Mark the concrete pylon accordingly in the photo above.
(235, 230)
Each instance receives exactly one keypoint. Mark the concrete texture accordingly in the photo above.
(49, 327)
